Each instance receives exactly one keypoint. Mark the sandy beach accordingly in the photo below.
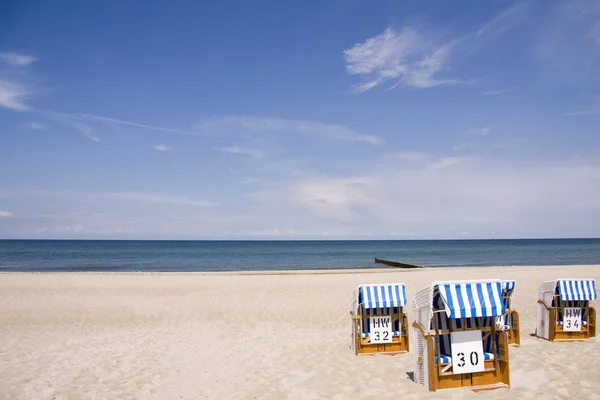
(246, 336)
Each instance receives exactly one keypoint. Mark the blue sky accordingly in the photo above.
(341, 119)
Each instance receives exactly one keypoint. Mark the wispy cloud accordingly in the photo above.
(134, 196)
(16, 60)
(13, 95)
(594, 108)
(479, 131)
(86, 130)
(6, 214)
(506, 19)
(462, 146)
(412, 156)
(110, 120)
(406, 57)
(416, 57)
(34, 126)
(445, 162)
(497, 92)
(242, 150)
(234, 125)
(245, 179)
(162, 147)
(160, 198)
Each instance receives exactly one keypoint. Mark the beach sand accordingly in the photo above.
(246, 336)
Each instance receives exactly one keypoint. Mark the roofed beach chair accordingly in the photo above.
(564, 311)
(510, 320)
(379, 324)
(456, 340)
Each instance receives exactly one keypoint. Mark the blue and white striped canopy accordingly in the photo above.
(577, 289)
(381, 296)
(508, 287)
(476, 299)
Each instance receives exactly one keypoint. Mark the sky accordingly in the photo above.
(339, 119)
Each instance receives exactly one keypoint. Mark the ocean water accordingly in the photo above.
(109, 255)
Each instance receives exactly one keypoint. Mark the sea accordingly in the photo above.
(164, 255)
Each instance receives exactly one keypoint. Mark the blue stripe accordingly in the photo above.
(461, 304)
(376, 301)
(484, 310)
(490, 288)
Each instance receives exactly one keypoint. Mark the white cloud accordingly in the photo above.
(479, 131)
(245, 179)
(159, 198)
(162, 147)
(474, 195)
(594, 108)
(512, 199)
(412, 156)
(146, 197)
(16, 60)
(34, 126)
(6, 214)
(108, 120)
(462, 146)
(497, 92)
(234, 125)
(242, 150)
(87, 123)
(445, 162)
(13, 95)
(506, 19)
(86, 131)
(405, 57)
(414, 57)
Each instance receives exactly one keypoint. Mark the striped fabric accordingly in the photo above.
(508, 287)
(466, 300)
(577, 289)
(382, 296)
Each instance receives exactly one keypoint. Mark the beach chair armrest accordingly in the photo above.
(418, 326)
(544, 304)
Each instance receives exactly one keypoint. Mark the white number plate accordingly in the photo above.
(572, 319)
(467, 352)
(381, 329)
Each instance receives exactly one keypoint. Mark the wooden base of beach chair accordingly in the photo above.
(557, 334)
(400, 344)
(592, 322)
(495, 376)
(514, 332)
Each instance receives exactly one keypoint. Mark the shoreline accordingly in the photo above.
(341, 271)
